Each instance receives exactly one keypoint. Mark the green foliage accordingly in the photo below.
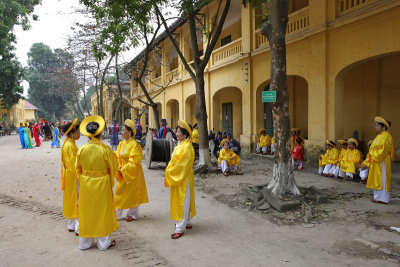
(45, 91)
(12, 12)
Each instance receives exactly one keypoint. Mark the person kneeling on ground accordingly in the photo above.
(364, 172)
(334, 171)
(227, 159)
(351, 160)
(330, 157)
(264, 143)
(297, 154)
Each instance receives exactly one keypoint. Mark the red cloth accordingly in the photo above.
(297, 153)
(165, 131)
(36, 134)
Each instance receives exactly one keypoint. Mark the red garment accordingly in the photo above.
(297, 152)
(36, 134)
(165, 131)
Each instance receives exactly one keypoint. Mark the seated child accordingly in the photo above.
(334, 171)
(330, 157)
(364, 172)
(227, 159)
(298, 154)
(351, 160)
(264, 143)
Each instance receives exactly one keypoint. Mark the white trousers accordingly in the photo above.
(132, 212)
(225, 168)
(180, 226)
(102, 242)
(272, 148)
(382, 195)
(334, 170)
(297, 162)
(364, 174)
(264, 149)
(73, 224)
(325, 169)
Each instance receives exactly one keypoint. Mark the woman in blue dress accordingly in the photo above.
(27, 136)
(21, 134)
(114, 130)
(56, 141)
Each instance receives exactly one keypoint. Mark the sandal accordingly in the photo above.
(225, 174)
(176, 235)
(189, 226)
(130, 218)
(378, 201)
(77, 234)
(113, 243)
(71, 230)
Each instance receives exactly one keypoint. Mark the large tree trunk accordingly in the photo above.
(275, 30)
(156, 118)
(201, 116)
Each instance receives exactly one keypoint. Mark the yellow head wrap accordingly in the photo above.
(132, 125)
(225, 141)
(331, 143)
(74, 122)
(92, 118)
(183, 124)
(352, 140)
(383, 121)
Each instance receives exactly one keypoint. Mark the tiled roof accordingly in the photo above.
(30, 106)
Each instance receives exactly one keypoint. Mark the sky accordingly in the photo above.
(53, 28)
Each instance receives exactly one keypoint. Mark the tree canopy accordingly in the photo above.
(12, 13)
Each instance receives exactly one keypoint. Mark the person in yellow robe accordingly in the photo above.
(264, 143)
(69, 182)
(364, 172)
(227, 159)
(330, 157)
(179, 176)
(96, 165)
(195, 134)
(351, 160)
(335, 169)
(131, 189)
(379, 160)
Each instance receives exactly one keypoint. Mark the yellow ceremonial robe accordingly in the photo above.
(380, 150)
(265, 140)
(342, 154)
(330, 157)
(68, 181)
(226, 154)
(179, 169)
(195, 136)
(131, 189)
(95, 166)
(350, 159)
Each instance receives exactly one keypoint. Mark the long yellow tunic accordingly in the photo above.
(131, 189)
(68, 181)
(95, 166)
(226, 154)
(331, 156)
(195, 136)
(350, 159)
(265, 140)
(177, 173)
(380, 150)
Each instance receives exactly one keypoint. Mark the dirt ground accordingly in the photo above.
(353, 231)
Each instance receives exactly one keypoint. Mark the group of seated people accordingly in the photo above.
(345, 163)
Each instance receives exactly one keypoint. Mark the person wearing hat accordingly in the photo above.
(195, 134)
(364, 172)
(27, 136)
(21, 131)
(379, 162)
(139, 129)
(162, 133)
(179, 176)
(351, 160)
(114, 131)
(227, 159)
(131, 189)
(297, 153)
(56, 141)
(295, 132)
(264, 142)
(331, 156)
(96, 166)
(69, 180)
(335, 169)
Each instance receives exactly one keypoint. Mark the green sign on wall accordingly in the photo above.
(269, 96)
